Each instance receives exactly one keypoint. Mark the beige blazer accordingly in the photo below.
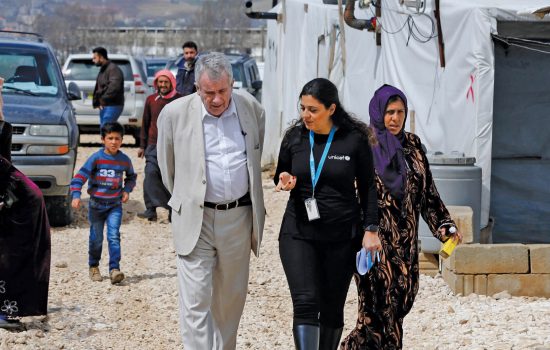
(180, 152)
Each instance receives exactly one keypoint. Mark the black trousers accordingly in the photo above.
(318, 274)
(154, 192)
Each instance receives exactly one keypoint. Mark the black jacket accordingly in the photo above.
(5, 139)
(185, 79)
(109, 86)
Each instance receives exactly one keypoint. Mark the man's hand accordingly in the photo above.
(286, 182)
(125, 197)
(75, 203)
(141, 153)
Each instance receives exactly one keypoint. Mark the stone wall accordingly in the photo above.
(488, 269)
(519, 269)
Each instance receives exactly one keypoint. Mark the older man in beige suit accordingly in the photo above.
(209, 149)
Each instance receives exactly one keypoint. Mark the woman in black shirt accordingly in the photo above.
(326, 162)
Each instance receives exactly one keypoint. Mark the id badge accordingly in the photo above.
(312, 210)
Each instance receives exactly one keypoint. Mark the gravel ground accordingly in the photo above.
(142, 312)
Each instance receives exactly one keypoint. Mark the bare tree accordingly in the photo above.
(214, 16)
(59, 29)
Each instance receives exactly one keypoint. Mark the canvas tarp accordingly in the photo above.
(452, 106)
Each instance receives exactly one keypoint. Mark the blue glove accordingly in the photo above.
(364, 261)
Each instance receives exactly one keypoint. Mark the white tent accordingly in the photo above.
(453, 106)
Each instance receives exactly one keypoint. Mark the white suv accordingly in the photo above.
(80, 69)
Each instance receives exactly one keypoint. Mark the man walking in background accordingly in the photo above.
(209, 151)
(154, 193)
(186, 69)
(109, 87)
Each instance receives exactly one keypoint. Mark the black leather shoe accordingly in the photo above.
(149, 214)
(306, 337)
(329, 339)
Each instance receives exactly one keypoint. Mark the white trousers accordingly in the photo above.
(213, 280)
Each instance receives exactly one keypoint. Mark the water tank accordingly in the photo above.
(458, 182)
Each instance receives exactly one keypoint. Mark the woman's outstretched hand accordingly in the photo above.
(286, 182)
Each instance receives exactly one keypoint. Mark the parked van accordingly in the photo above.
(37, 104)
(80, 69)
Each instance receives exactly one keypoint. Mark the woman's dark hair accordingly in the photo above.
(110, 127)
(324, 91)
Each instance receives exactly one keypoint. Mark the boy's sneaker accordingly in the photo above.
(149, 214)
(116, 276)
(95, 275)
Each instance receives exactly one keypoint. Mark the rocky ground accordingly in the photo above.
(142, 312)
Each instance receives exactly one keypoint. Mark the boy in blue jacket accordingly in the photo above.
(105, 170)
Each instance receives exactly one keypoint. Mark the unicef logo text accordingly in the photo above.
(339, 157)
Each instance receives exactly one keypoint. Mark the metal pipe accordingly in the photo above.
(349, 18)
(259, 15)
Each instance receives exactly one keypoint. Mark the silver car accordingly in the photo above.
(80, 69)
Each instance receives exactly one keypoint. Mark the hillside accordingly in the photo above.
(16, 13)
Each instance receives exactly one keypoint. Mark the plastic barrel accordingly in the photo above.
(458, 182)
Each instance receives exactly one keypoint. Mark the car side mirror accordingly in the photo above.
(73, 91)
(257, 85)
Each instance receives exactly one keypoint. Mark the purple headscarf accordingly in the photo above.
(389, 160)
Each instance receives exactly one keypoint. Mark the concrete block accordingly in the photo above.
(468, 284)
(464, 218)
(539, 256)
(480, 284)
(490, 259)
(455, 282)
(532, 284)
(428, 264)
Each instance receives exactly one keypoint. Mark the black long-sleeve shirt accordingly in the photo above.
(349, 161)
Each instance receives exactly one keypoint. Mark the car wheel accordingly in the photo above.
(59, 210)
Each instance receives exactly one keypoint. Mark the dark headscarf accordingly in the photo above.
(389, 160)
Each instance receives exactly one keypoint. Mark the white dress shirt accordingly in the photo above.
(225, 152)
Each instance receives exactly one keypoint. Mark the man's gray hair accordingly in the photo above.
(214, 64)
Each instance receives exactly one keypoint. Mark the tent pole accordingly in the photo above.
(439, 35)
(378, 15)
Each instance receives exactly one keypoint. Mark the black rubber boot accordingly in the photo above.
(306, 337)
(329, 338)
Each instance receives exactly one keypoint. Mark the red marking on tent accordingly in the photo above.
(471, 89)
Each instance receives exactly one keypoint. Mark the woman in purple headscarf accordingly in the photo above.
(405, 190)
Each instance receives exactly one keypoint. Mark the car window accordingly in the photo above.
(154, 67)
(251, 73)
(85, 69)
(238, 73)
(32, 71)
(141, 69)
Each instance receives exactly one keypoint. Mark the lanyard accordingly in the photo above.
(315, 174)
